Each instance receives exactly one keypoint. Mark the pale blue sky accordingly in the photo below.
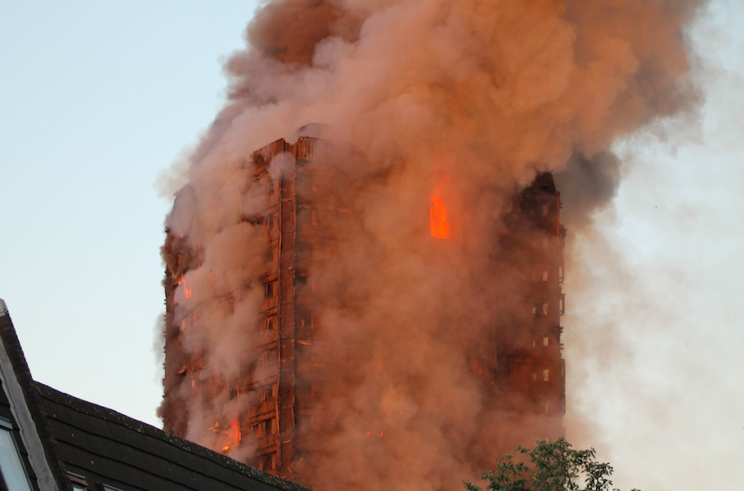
(655, 344)
(99, 97)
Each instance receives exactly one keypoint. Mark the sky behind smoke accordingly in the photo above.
(668, 407)
(98, 100)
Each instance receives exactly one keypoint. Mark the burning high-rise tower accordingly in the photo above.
(385, 313)
(285, 381)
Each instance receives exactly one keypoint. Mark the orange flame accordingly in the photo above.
(233, 433)
(235, 426)
(186, 288)
(438, 223)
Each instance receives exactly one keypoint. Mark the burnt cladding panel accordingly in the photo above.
(287, 278)
(314, 212)
(530, 371)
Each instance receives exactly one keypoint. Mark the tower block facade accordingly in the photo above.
(300, 204)
(279, 382)
(529, 372)
(526, 374)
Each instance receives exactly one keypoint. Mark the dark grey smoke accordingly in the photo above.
(587, 186)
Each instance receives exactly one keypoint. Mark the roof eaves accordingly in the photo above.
(29, 413)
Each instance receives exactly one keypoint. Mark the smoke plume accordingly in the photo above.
(468, 97)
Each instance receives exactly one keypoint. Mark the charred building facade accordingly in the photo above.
(283, 376)
(529, 370)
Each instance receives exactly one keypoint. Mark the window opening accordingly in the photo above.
(269, 289)
(267, 462)
(266, 394)
(267, 359)
(257, 430)
(77, 480)
(263, 428)
(11, 466)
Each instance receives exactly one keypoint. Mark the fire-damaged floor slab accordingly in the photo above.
(52, 441)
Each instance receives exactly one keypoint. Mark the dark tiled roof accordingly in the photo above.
(22, 373)
(108, 447)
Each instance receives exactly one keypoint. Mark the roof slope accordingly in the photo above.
(37, 446)
(66, 438)
(110, 448)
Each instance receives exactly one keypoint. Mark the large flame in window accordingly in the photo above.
(438, 223)
(235, 430)
(233, 434)
(186, 287)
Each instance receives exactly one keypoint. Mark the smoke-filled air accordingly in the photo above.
(441, 112)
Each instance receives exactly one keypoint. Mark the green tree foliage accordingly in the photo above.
(555, 466)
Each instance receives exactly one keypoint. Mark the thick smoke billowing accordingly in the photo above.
(587, 185)
(485, 92)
